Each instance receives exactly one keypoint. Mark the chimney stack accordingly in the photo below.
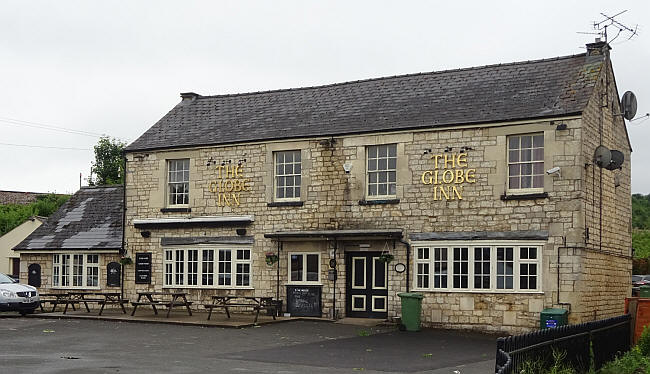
(598, 48)
(188, 97)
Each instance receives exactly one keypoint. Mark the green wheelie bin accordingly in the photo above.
(411, 310)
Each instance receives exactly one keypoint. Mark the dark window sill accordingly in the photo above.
(176, 210)
(378, 202)
(285, 203)
(529, 196)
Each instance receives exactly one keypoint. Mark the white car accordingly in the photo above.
(17, 297)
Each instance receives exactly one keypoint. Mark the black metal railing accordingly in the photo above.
(582, 345)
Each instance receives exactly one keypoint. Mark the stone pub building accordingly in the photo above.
(477, 187)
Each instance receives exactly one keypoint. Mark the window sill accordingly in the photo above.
(379, 202)
(209, 287)
(493, 292)
(285, 203)
(75, 288)
(176, 210)
(528, 196)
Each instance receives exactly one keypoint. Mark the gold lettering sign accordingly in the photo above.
(229, 185)
(449, 174)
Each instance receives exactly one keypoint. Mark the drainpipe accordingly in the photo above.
(408, 263)
(122, 250)
(335, 276)
(277, 284)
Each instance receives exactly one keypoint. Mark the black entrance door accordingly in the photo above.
(366, 285)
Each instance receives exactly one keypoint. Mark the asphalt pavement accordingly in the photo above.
(33, 345)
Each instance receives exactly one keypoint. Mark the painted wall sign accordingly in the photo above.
(449, 174)
(143, 268)
(113, 273)
(34, 275)
(229, 185)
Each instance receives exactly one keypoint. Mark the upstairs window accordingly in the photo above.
(526, 162)
(178, 181)
(382, 170)
(288, 171)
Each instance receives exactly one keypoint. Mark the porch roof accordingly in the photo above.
(337, 234)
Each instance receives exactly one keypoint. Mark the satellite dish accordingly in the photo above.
(628, 104)
(617, 160)
(602, 156)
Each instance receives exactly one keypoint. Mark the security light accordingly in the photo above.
(553, 170)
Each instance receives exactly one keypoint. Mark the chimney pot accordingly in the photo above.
(191, 96)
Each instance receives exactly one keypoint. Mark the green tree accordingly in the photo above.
(12, 215)
(108, 164)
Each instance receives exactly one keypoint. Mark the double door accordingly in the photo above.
(366, 285)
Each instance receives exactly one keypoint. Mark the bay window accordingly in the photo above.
(483, 267)
(207, 268)
(77, 270)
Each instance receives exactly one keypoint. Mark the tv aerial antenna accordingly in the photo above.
(600, 27)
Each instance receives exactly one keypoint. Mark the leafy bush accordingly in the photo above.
(632, 362)
(644, 342)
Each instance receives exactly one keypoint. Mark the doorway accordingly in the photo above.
(366, 285)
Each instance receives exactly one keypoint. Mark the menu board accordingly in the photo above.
(304, 301)
(143, 268)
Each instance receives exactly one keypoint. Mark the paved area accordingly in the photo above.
(178, 316)
(35, 345)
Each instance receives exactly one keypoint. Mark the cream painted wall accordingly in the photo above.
(12, 238)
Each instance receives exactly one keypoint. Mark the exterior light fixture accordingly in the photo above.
(347, 167)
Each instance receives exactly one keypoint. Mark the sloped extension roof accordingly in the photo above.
(90, 220)
(523, 90)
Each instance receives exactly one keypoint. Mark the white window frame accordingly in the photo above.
(277, 176)
(377, 170)
(304, 268)
(169, 262)
(531, 189)
(86, 269)
(169, 183)
(493, 245)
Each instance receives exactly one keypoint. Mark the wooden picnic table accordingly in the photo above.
(111, 298)
(254, 302)
(78, 297)
(55, 298)
(168, 299)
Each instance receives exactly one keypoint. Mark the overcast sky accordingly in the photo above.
(116, 67)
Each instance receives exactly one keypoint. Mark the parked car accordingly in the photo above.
(17, 297)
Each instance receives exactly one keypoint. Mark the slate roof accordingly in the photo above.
(90, 220)
(522, 90)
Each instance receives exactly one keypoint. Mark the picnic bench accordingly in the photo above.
(167, 299)
(78, 297)
(54, 299)
(111, 298)
(82, 297)
(256, 303)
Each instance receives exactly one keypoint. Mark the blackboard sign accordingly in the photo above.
(113, 273)
(34, 275)
(304, 301)
(143, 268)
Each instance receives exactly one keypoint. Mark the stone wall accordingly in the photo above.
(46, 259)
(333, 199)
(607, 254)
